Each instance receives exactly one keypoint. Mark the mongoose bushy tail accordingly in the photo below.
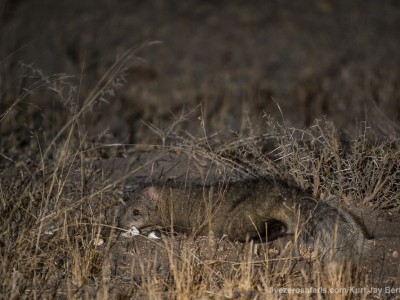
(249, 209)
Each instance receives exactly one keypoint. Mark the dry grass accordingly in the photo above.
(57, 207)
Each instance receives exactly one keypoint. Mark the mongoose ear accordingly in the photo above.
(151, 193)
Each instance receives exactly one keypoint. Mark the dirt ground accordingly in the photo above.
(315, 58)
(202, 69)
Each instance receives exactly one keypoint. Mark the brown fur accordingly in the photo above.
(250, 209)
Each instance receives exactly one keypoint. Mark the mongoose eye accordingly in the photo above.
(135, 212)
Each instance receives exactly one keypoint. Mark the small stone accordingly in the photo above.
(395, 254)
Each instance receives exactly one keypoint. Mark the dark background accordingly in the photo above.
(241, 60)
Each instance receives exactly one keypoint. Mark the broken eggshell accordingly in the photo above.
(154, 235)
(131, 232)
(98, 242)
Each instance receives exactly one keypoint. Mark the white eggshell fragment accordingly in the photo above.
(131, 232)
(153, 235)
(98, 242)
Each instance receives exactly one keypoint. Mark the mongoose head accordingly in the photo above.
(141, 211)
